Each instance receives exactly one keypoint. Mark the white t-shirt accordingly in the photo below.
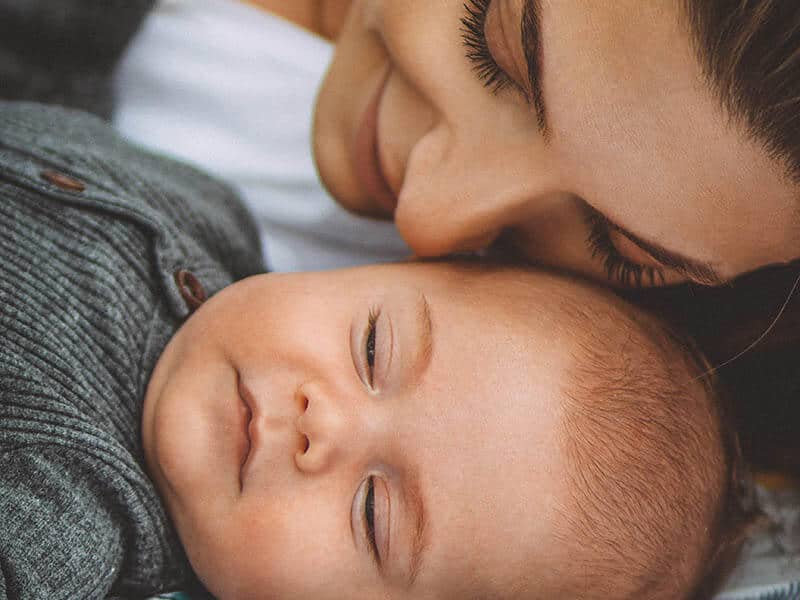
(231, 88)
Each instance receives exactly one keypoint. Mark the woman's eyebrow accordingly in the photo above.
(532, 47)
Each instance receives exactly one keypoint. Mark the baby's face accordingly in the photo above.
(382, 432)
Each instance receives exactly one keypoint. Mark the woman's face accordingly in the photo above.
(583, 132)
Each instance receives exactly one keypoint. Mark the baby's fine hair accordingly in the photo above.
(655, 501)
(653, 464)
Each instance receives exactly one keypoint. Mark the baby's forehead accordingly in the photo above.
(534, 295)
(539, 314)
(587, 335)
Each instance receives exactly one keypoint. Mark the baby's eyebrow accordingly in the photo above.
(412, 492)
(425, 329)
(415, 505)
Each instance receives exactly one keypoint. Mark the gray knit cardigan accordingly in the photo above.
(99, 245)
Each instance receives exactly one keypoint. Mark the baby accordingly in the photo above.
(435, 431)
(424, 430)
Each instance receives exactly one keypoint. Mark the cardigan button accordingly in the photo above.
(65, 182)
(190, 288)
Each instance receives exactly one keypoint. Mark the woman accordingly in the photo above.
(644, 128)
(644, 142)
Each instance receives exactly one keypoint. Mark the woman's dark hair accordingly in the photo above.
(750, 54)
(749, 330)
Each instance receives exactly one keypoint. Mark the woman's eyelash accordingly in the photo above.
(493, 77)
(616, 266)
(369, 344)
(369, 518)
(474, 39)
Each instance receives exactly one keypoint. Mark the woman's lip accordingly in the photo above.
(247, 449)
(366, 153)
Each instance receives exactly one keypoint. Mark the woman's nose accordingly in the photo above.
(463, 188)
(440, 226)
(326, 428)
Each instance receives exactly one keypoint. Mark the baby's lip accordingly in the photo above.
(247, 447)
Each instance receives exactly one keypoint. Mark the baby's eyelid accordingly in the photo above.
(379, 534)
(383, 359)
(363, 334)
(359, 519)
(383, 349)
(383, 535)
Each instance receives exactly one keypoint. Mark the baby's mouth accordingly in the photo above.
(246, 398)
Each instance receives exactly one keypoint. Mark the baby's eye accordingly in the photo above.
(369, 518)
(375, 518)
(369, 345)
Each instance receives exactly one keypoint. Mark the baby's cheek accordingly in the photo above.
(232, 553)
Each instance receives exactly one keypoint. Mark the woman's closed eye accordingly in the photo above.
(484, 63)
(617, 266)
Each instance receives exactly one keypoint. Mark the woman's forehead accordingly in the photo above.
(654, 149)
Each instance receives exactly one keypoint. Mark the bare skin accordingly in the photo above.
(323, 17)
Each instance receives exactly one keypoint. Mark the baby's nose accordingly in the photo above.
(324, 427)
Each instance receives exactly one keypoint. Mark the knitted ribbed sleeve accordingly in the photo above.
(92, 232)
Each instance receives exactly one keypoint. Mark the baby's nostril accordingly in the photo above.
(301, 401)
(306, 444)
